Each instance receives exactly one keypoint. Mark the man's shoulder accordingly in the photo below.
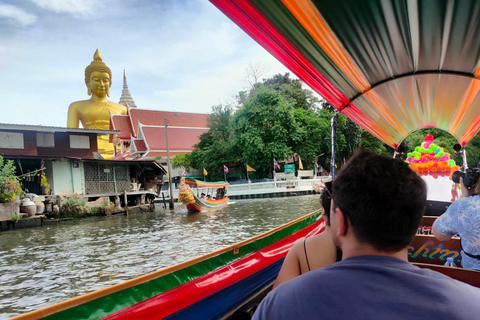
(352, 275)
(367, 287)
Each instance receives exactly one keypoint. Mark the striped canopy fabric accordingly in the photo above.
(392, 66)
(200, 183)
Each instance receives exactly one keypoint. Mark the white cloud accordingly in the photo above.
(184, 56)
(17, 14)
(76, 7)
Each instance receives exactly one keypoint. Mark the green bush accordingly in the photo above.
(107, 208)
(16, 217)
(10, 187)
(74, 207)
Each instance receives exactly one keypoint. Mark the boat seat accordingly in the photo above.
(471, 277)
(428, 249)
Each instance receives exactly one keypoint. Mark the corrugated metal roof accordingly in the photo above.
(38, 128)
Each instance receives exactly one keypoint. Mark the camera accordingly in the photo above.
(470, 177)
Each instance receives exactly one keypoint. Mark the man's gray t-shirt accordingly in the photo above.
(371, 287)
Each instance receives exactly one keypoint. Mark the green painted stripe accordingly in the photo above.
(281, 18)
(104, 306)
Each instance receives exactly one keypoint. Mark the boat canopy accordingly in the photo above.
(199, 183)
(393, 67)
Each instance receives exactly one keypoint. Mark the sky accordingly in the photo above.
(179, 55)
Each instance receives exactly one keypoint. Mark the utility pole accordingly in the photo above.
(334, 131)
(171, 206)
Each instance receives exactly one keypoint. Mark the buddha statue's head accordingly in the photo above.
(98, 76)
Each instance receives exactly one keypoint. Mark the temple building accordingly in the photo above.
(142, 133)
(126, 98)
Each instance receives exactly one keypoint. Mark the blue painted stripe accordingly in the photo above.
(221, 302)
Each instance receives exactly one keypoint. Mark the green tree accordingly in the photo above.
(473, 151)
(182, 160)
(311, 130)
(292, 91)
(265, 128)
(215, 148)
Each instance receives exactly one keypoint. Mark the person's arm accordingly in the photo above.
(291, 265)
(445, 226)
(440, 236)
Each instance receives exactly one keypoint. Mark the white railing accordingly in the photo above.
(290, 184)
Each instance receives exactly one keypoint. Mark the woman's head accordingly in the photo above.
(325, 200)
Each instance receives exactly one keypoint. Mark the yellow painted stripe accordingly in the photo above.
(470, 95)
(308, 16)
(44, 312)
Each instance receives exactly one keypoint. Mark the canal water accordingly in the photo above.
(42, 266)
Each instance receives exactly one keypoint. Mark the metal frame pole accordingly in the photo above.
(334, 131)
(171, 205)
(464, 158)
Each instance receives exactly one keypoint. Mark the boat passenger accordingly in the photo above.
(209, 196)
(377, 206)
(202, 196)
(463, 218)
(314, 252)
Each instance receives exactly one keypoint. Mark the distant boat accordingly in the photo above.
(194, 202)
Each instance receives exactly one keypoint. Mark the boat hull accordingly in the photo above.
(206, 287)
(200, 206)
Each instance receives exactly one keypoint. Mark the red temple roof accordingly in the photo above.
(180, 139)
(157, 118)
(140, 145)
(122, 123)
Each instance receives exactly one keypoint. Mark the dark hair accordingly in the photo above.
(325, 201)
(383, 199)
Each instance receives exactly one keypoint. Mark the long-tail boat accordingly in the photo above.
(391, 66)
(208, 287)
(193, 202)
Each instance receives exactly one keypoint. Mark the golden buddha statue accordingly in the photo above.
(95, 112)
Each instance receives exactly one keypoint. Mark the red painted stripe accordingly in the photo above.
(247, 17)
(173, 300)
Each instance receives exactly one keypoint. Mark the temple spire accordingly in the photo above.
(126, 98)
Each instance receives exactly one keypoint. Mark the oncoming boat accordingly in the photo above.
(194, 203)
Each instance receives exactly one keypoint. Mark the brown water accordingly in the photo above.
(42, 266)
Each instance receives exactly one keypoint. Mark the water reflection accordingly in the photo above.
(42, 266)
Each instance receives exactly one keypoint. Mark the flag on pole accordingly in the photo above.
(225, 169)
(275, 164)
(205, 172)
(250, 168)
(184, 173)
(300, 165)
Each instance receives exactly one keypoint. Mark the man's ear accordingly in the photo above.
(340, 220)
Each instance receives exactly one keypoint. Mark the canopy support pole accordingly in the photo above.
(334, 131)
(464, 158)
